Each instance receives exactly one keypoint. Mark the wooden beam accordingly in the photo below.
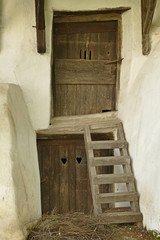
(91, 12)
(40, 26)
(147, 10)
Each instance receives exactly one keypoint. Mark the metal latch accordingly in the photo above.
(114, 61)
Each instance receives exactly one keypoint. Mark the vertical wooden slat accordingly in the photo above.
(81, 179)
(72, 178)
(44, 159)
(55, 177)
(64, 198)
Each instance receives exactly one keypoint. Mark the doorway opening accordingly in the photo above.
(85, 70)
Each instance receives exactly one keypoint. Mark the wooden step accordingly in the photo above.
(109, 161)
(116, 197)
(109, 144)
(113, 178)
(111, 215)
(120, 217)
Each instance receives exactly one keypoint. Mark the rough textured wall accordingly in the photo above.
(21, 64)
(19, 175)
(139, 99)
(140, 112)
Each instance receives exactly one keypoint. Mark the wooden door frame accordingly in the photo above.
(92, 16)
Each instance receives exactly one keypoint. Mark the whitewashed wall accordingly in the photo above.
(21, 64)
(139, 95)
(19, 175)
(139, 109)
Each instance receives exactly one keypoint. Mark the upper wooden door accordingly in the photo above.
(83, 81)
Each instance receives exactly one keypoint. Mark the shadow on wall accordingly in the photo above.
(141, 114)
(1, 23)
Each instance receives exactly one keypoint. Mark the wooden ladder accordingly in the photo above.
(112, 215)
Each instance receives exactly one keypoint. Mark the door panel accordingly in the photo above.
(83, 82)
(65, 183)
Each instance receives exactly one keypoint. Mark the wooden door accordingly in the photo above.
(65, 183)
(83, 81)
(64, 176)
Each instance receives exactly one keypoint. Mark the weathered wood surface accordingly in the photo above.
(147, 10)
(75, 124)
(121, 217)
(127, 168)
(83, 84)
(40, 26)
(105, 11)
(92, 172)
(78, 27)
(66, 186)
(109, 161)
(116, 197)
(113, 178)
(88, 18)
(84, 72)
(99, 179)
(110, 144)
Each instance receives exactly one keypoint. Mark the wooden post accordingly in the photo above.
(147, 10)
(40, 26)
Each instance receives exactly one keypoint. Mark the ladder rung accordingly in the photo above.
(107, 124)
(109, 144)
(117, 197)
(113, 178)
(120, 217)
(109, 161)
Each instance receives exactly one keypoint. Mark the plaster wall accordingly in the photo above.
(19, 175)
(139, 84)
(21, 64)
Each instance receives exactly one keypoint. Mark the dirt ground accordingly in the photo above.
(81, 227)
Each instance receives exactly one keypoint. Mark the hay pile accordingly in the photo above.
(81, 227)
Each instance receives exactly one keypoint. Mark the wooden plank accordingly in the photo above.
(78, 27)
(88, 18)
(127, 168)
(60, 47)
(83, 72)
(91, 12)
(54, 170)
(113, 178)
(44, 159)
(64, 196)
(81, 179)
(110, 144)
(147, 9)
(40, 26)
(120, 217)
(72, 177)
(116, 197)
(148, 15)
(109, 161)
(100, 122)
(105, 97)
(103, 117)
(65, 101)
(92, 171)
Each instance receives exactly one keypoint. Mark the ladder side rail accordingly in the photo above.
(92, 170)
(127, 168)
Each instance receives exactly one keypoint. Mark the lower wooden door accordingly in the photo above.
(65, 183)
